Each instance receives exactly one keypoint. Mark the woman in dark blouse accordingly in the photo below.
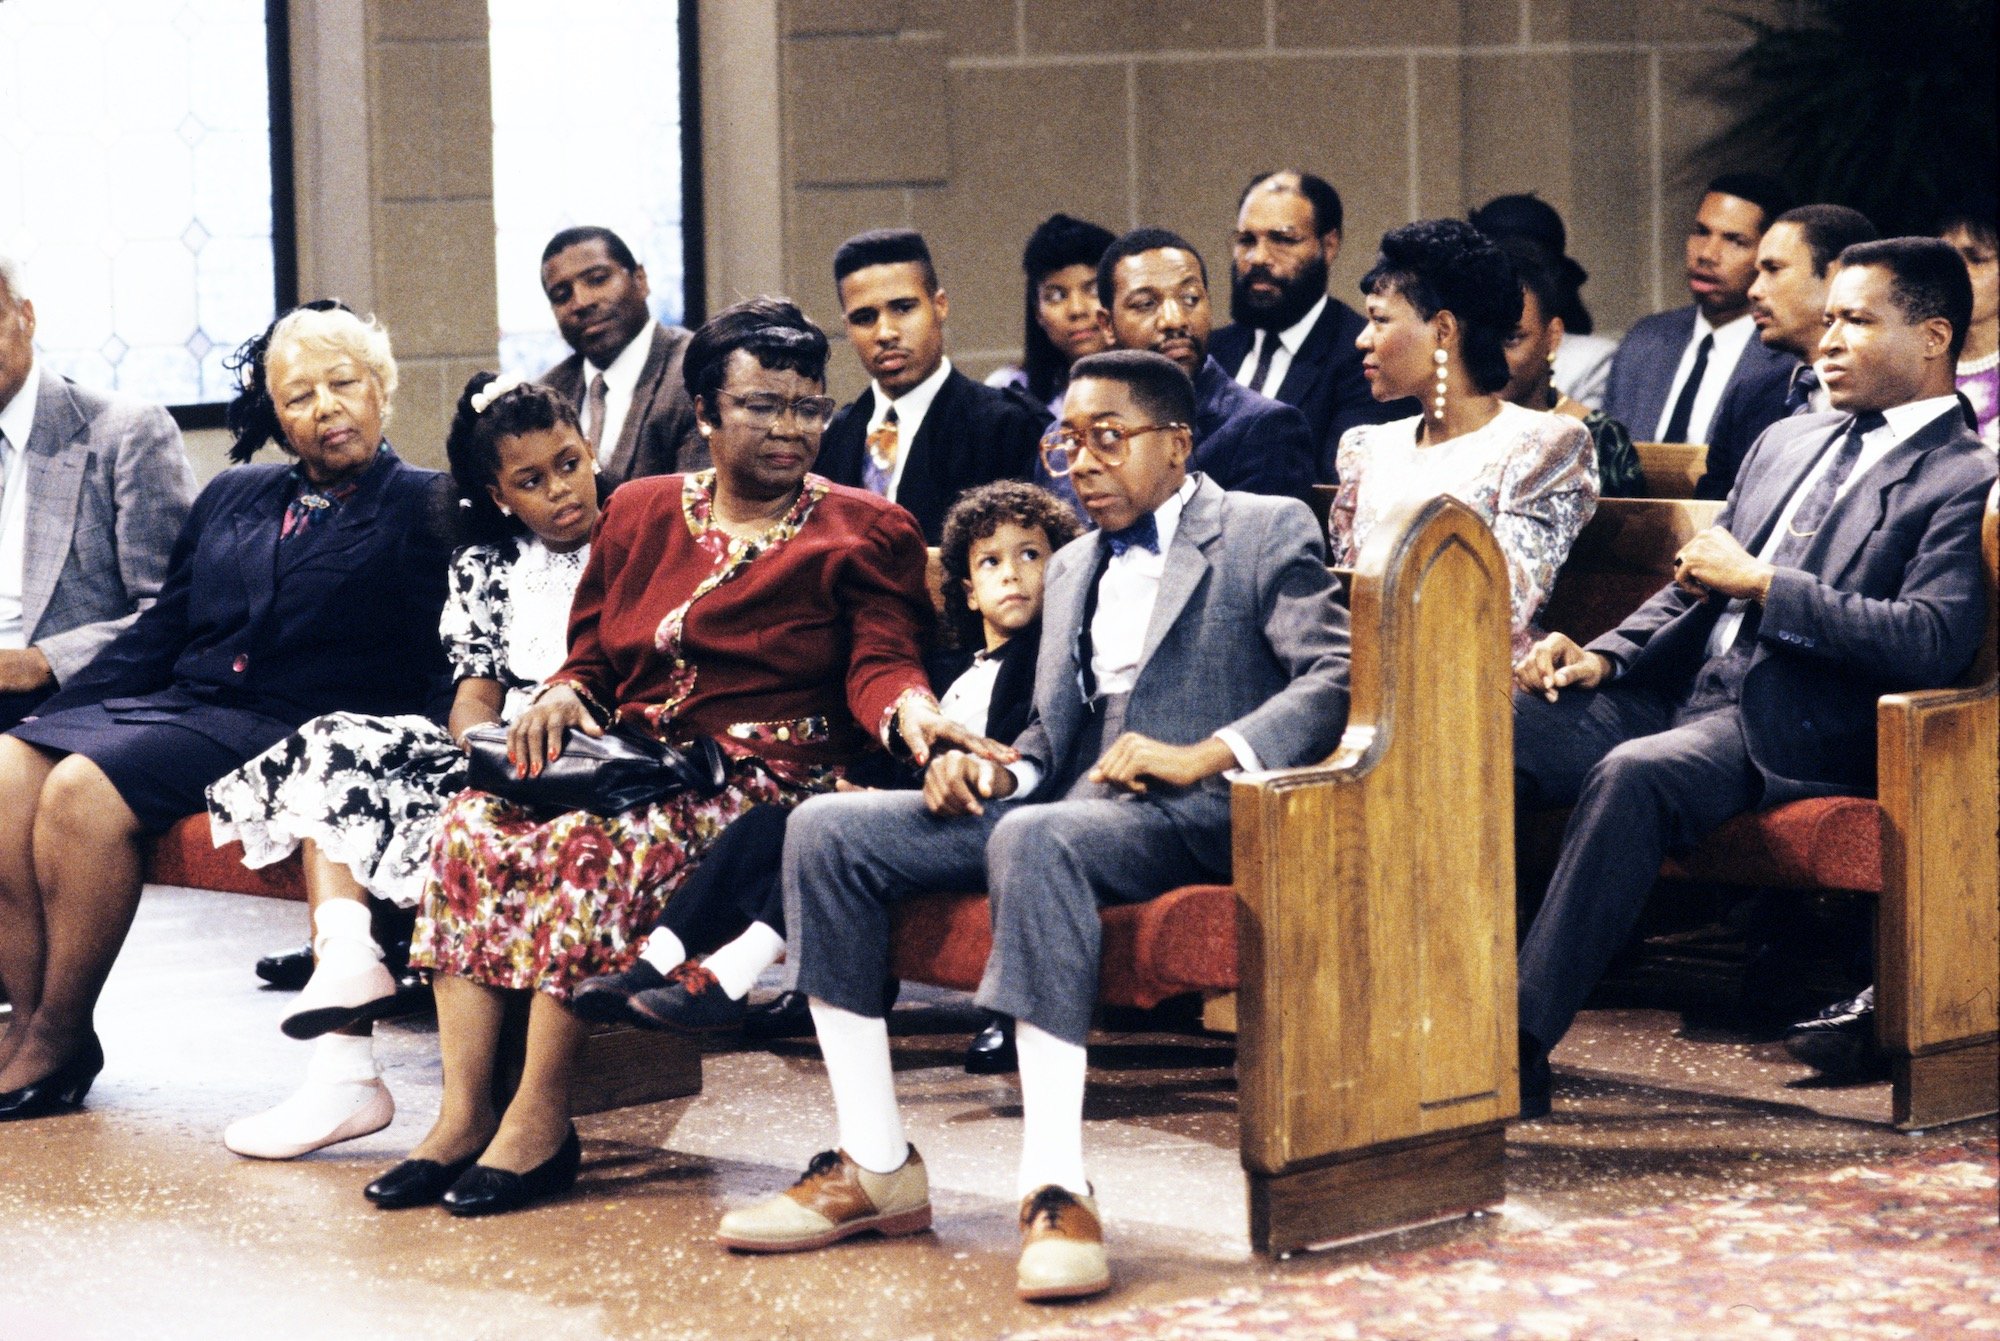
(754, 603)
(293, 590)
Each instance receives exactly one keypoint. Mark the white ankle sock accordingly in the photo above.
(856, 1048)
(341, 1058)
(737, 964)
(344, 937)
(1051, 1111)
(664, 951)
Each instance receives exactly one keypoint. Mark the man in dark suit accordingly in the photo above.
(1291, 340)
(625, 376)
(1153, 287)
(1698, 373)
(1788, 297)
(1195, 632)
(1846, 565)
(923, 433)
(93, 490)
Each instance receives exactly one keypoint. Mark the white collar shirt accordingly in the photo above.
(1289, 340)
(17, 421)
(1901, 422)
(910, 411)
(621, 383)
(968, 700)
(1731, 339)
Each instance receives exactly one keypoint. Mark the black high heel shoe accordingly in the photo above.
(415, 1182)
(61, 1090)
(485, 1190)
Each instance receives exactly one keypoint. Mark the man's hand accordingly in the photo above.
(1714, 562)
(956, 783)
(1555, 663)
(24, 670)
(1133, 758)
(923, 726)
(536, 735)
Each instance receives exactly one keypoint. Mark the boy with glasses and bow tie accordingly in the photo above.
(1197, 631)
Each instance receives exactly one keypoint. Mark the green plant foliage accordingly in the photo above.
(1887, 106)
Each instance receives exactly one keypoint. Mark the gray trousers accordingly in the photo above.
(1047, 866)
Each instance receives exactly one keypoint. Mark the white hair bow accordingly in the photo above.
(494, 390)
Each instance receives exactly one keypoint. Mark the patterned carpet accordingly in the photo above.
(1904, 1248)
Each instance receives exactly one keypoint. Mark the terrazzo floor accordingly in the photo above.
(131, 1220)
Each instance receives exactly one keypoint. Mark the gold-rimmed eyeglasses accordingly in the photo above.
(762, 411)
(1108, 443)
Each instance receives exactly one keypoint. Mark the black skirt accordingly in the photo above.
(161, 769)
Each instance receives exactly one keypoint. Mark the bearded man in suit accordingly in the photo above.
(93, 490)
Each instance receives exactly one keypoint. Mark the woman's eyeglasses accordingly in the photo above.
(761, 411)
(1110, 444)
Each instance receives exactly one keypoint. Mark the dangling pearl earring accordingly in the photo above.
(1439, 357)
(505, 511)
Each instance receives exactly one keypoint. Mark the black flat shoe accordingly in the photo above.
(992, 1050)
(602, 1000)
(60, 1091)
(1839, 1042)
(786, 1015)
(288, 970)
(690, 1001)
(415, 1182)
(485, 1190)
(1537, 1084)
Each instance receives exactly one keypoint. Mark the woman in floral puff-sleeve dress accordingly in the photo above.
(753, 603)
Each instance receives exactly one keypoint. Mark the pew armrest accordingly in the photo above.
(1375, 933)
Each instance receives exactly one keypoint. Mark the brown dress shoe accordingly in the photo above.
(834, 1199)
(1062, 1246)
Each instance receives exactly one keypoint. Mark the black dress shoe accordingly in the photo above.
(690, 1001)
(786, 1015)
(992, 1050)
(602, 999)
(415, 1182)
(61, 1090)
(288, 970)
(485, 1190)
(1537, 1084)
(1839, 1042)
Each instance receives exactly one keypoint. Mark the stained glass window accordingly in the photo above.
(135, 186)
(586, 130)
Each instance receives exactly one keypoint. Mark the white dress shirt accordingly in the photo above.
(621, 381)
(1730, 342)
(1289, 340)
(968, 700)
(1901, 422)
(17, 421)
(1126, 594)
(910, 412)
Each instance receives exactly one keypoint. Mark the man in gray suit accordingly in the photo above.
(1845, 566)
(1197, 631)
(625, 376)
(93, 490)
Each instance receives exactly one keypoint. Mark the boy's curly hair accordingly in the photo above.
(977, 514)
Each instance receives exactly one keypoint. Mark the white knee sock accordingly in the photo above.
(1051, 1111)
(344, 937)
(664, 951)
(856, 1048)
(737, 964)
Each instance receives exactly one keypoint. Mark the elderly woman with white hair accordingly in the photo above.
(294, 590)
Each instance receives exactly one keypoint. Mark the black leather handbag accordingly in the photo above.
(606, 775)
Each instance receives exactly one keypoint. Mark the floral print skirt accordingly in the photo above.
(520, 899)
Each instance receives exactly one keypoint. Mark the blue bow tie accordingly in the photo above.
(1144, 534)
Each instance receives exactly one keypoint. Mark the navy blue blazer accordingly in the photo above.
(1642, 372)
(1246, 442)
(1889, 597)
(1324, 381)
(971, 435)
(250, 639)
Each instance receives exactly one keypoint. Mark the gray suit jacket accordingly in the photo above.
(1889, 597)
(659, 435)
(1247, 632)
(109, 485)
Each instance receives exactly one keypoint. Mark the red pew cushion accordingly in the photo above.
(1183, 941)
(187, 855)
(1829, 842)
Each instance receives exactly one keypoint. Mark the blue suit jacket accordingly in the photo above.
(1324, 380)
(1889, 597)
(1247, 442)
(250, 639)
(1642, 372)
